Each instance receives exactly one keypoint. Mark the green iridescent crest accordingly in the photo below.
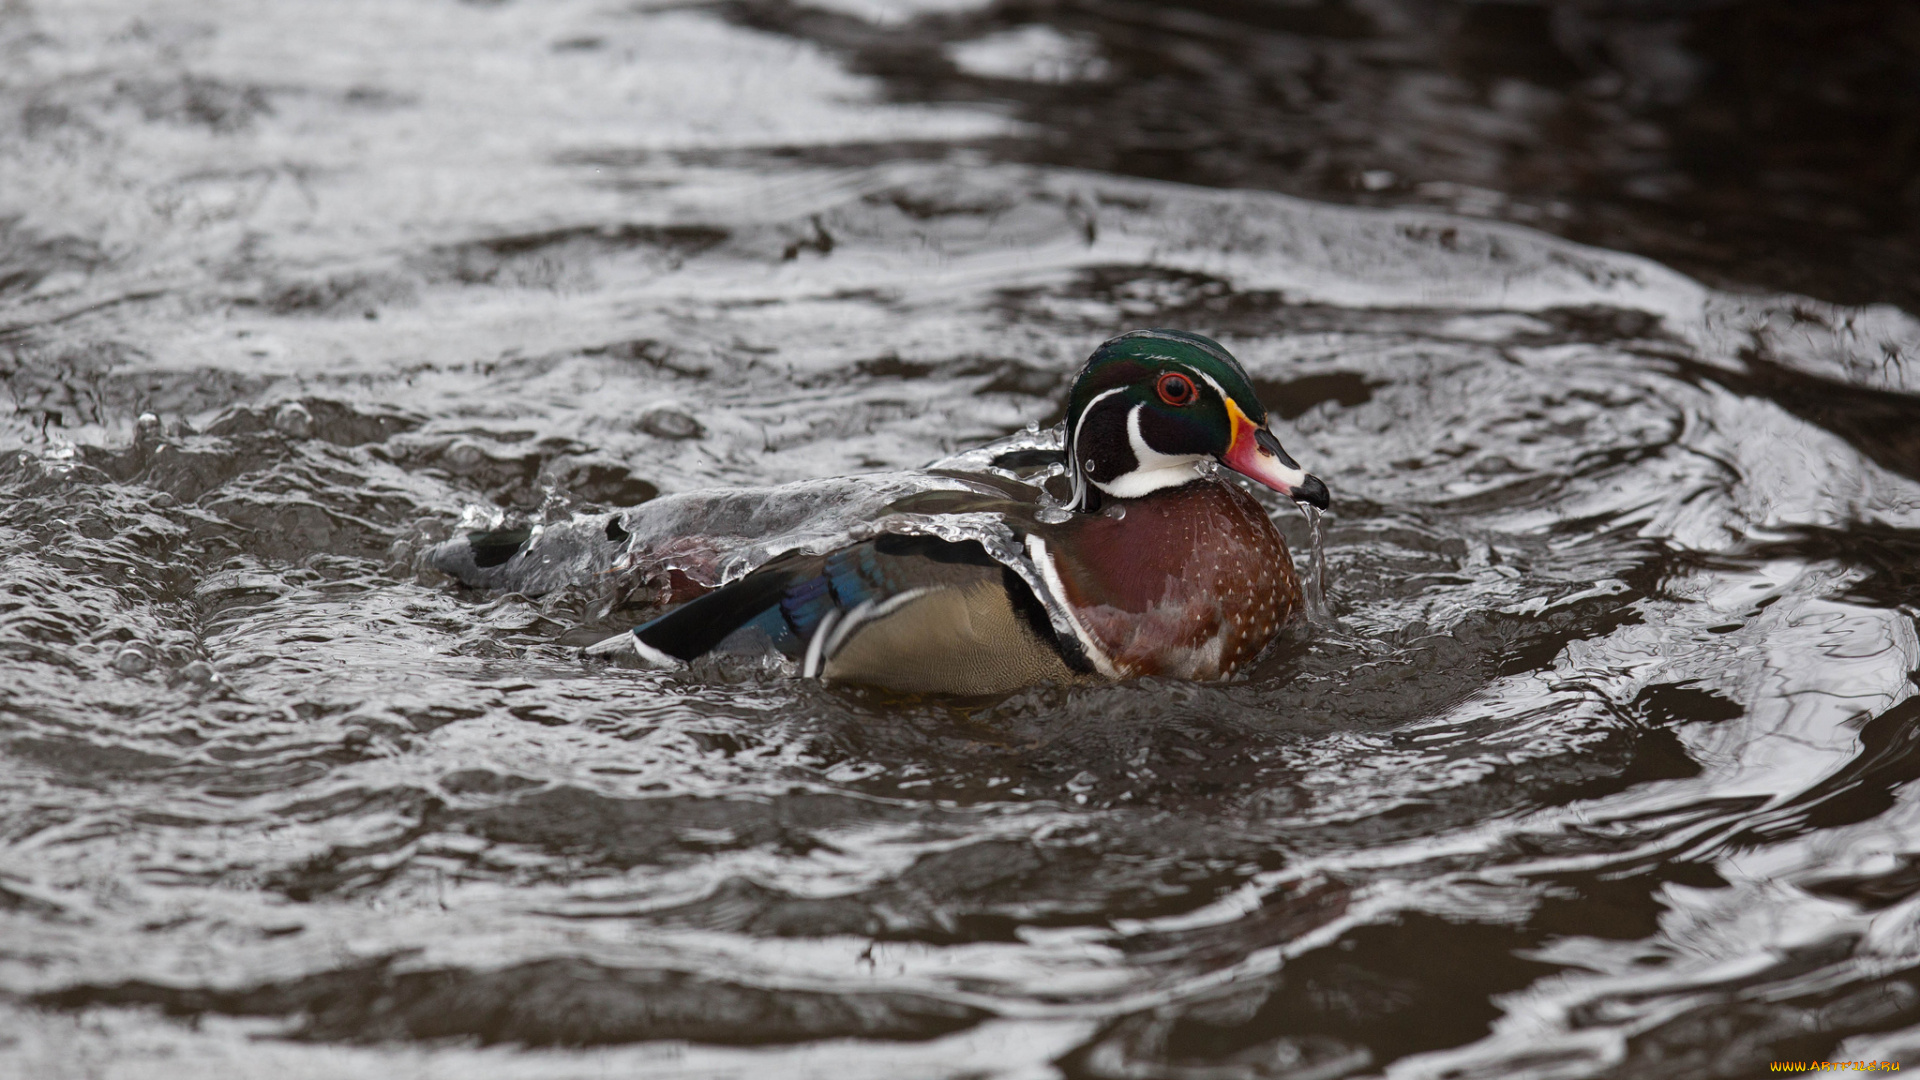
(1134, 358)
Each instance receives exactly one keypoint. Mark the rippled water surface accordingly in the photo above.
(1599, 762)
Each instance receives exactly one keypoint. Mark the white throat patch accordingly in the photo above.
(1154, 470)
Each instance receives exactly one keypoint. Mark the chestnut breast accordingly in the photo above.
(1192, 581)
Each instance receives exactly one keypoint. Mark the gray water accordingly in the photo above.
(1598, 763)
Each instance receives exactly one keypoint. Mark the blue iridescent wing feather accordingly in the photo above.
(785, 602)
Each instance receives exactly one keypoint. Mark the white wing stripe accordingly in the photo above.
(863, 613)
(816, 646)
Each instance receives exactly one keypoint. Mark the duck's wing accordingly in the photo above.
(908, 612)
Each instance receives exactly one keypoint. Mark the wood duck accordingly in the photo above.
(1158, 567)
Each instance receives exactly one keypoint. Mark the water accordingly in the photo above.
(1313, 585)
(1602, 764)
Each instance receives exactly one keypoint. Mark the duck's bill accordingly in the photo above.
(1257, 455)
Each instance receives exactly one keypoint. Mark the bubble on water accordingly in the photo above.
(293, 420)
(133, 660)
(463, 457)
(670, 424)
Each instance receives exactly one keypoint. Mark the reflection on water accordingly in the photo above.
(1600, 761)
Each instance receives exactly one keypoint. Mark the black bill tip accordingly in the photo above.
(1313, 491)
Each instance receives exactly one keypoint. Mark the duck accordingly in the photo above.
(1151, 562)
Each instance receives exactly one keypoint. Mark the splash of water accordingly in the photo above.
(1313, 585)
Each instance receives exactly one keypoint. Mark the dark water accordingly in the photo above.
(1771, 143)
(1602, 766)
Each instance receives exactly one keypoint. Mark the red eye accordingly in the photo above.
(1176, 389)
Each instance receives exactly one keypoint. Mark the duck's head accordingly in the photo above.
(1152, 406)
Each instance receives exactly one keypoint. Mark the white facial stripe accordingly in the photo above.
(1217, 388)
